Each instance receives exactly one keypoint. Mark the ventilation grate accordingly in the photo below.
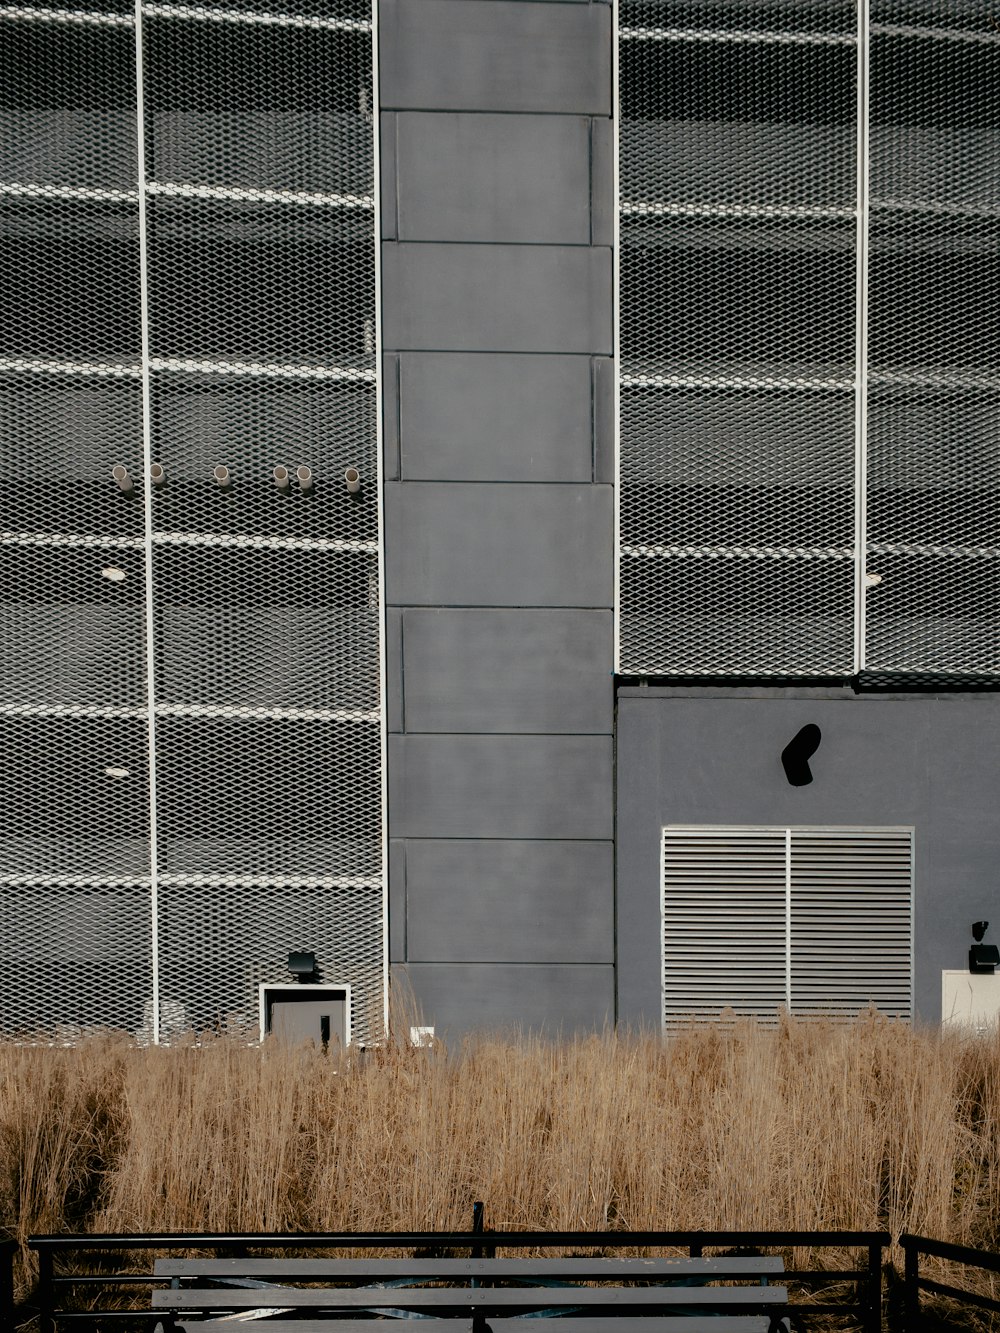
(817, 921)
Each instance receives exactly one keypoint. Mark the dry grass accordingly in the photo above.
(804, 1126)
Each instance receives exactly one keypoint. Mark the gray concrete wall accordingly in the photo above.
(713, 757)
(497, 331)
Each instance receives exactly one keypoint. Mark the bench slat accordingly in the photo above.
(572, 1267)
(753, 1323)
(482, 1299)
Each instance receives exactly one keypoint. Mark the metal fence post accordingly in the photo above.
(46, 1294)
(873, 1295)
(911, 1287)
(8, 1248)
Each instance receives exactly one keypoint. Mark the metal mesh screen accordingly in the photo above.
(808, 296)
(738, 275)
(207, 306)
(934, 324)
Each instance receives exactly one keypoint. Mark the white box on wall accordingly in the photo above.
(970, 999)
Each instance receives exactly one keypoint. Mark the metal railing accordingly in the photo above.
(914, 1247)
(77, 1273)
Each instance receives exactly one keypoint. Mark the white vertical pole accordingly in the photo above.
(140, 130)
(861, 345)
(616, 346)
(380, 483)
(788, 919)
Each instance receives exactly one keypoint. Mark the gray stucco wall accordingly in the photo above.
(497, 329)
(713, 757)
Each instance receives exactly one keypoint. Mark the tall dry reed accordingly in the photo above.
(806, 1125)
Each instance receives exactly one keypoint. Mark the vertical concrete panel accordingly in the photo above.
(509, 901)
(602, 182)
(508, 671)
(397, 900)
(394, 668)
(387, 177)
(390, 417)
(480, 177)
(500, 787)
(476, 545)
(604, 419)
(495, 55)
(497, 298)
(515, 999)
(494, 417)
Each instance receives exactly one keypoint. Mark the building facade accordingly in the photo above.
(615, 641)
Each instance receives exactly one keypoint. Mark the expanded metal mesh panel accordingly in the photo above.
(738, 278)
(64, 813)
(69, 280)
(74, 957)
(71, 635)
(759, 919)
(296, 264)
(808, 301)
(219, 942)
(250, 425)
(264, 795)
(67, 104)
(934, 327)
(245, 105)
(206, 305)
(57, 432)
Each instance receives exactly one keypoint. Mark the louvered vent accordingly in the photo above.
(809, 278)
(189, 661)
(818, 921)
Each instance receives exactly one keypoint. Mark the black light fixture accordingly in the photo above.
(302, 965)
(983, 958)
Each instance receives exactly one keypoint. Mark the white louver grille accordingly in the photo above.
(190, 701)
(816, 920)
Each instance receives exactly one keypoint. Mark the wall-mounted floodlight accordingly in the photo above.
(302, 965)
(304, 476)
(156, 474)
(121, 476)
(352, 480)
(221, 475)
(982, 957)
(282, 479)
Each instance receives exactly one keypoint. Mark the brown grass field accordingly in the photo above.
(805, 1125)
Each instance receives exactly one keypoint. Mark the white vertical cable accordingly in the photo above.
(861, 346)
(379, 485)
(788, 919)
(663, 930)
(140, 130)
(616, 332)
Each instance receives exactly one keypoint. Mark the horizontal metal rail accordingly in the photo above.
(915, 1247)
(56, 1288)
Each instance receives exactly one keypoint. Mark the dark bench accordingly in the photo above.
(672, 1295)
